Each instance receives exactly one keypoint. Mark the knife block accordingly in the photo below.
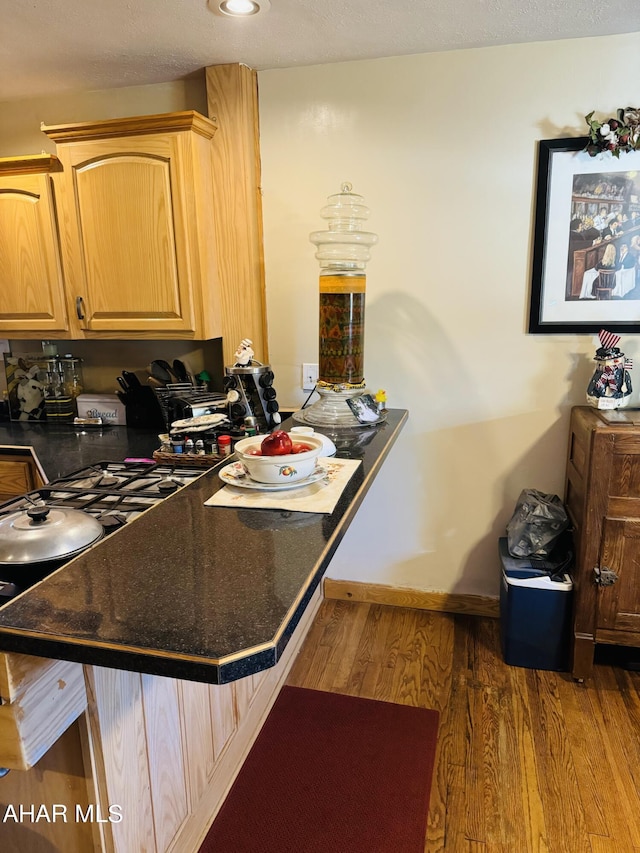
(143, 409)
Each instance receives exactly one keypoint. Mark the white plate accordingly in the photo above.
(200, 421)
(202, 428)
(234, 475)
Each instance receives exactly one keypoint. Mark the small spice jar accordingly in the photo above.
(224, 445)
(211, 445)
(250, 426)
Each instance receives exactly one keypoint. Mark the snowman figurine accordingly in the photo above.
(610, 385)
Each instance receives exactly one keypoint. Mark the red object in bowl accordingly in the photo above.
(299, 447)
(277, 443)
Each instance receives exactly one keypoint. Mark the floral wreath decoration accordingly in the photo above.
(615, 134)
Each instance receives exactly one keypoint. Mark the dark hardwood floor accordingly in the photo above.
(528, 761)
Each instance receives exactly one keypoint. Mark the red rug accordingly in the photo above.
(330, 773)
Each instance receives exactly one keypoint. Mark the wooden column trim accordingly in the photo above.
(232, 103)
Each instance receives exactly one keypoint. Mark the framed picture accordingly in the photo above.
(365, 408)
(586, 252)
(26, 384)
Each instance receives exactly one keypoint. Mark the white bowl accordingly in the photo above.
(328, 447)
(279, 469)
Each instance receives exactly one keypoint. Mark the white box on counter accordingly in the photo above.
(105, 406)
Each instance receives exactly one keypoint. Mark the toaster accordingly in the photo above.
(195, 405)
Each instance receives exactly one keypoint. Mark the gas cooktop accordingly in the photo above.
(114, 493)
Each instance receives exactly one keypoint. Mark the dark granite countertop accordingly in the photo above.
(61, 448)
(190, 591)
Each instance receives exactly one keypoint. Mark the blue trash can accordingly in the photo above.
(535, 613)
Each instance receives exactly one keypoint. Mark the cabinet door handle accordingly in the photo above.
(605, 576)
(79, 309)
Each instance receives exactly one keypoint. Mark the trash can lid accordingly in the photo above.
(520, 570)
(560, 583)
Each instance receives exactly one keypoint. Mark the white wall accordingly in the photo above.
(443, 148)
(20, 132)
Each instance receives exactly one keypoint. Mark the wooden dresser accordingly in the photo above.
(602, 494)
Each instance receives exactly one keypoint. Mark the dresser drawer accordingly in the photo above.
(39, 699)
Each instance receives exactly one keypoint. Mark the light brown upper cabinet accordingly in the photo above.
(32, 297)
(146, 227)
(135, 201)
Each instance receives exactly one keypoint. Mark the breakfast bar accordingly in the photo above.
(141, 671)
(191, 591)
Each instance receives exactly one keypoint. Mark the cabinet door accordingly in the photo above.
(31, 281)
(119, 742)
(18, 476)
(165, 754)
(15, 478)
(619, 604)
(126, 220)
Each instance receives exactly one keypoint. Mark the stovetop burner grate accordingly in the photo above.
(129, 476)
(113, 492)
(124, 489)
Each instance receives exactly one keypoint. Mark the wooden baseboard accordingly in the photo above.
(447, 602)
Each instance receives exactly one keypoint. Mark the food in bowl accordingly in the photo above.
(282, 467)
(277, 443)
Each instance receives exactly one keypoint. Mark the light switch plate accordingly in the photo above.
(309, 376)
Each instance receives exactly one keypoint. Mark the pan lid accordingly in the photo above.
(42, 533)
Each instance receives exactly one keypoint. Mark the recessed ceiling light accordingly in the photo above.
(241, 8)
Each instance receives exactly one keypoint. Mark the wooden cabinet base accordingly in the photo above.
(583, 652)
(59, 780)
(167, 751)
(145, 768)
(18, 473)
(602, 497)
(40, 700)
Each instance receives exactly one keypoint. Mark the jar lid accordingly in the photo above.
(43, 533)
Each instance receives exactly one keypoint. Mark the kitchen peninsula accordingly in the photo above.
(217, 599)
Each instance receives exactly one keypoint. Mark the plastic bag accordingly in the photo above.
(536, 524)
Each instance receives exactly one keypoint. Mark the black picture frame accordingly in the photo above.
(569, 292)
(365, 408)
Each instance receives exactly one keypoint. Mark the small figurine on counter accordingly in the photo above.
(203, 379)
(381, 400)
(30, 393)
(244, 354)
(610, 385)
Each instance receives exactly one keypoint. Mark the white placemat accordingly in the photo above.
(321, 496)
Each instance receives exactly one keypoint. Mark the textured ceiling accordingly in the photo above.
(50, 47)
